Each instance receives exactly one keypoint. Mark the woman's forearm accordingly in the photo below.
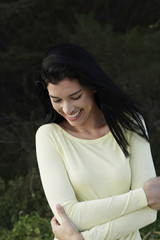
(112, 230)
(123, 226)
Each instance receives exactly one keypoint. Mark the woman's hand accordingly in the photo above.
(66, 230)
(152, 191)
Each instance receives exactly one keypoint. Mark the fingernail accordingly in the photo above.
(58, 206)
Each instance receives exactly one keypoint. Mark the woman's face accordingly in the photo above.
(74, 102)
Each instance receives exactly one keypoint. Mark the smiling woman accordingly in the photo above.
(91, 151)
(76, 104)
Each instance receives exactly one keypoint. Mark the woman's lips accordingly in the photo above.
(74, 116)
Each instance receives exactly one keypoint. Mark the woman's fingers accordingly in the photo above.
(54, 221)
(61, 212)
(66, 230)
(54, 224)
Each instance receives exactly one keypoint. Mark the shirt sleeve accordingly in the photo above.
(87, 214)
(142, 169)
(123, 226)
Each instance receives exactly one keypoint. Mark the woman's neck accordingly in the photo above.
(96, 127)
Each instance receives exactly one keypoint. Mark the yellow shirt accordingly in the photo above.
(99, 188)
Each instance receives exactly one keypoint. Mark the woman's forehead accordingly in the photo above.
(66, 86)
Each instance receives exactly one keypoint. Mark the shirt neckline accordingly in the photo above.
(107, 135)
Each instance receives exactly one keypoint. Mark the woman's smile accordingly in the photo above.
(74, 116)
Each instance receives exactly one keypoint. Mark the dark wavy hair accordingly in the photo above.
(74, 62)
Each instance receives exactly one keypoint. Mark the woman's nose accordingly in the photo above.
(68, 108)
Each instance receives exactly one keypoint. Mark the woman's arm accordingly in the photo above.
(112, 230)
(58, 189)
(123, 226)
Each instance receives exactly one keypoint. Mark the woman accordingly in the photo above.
(93, 150)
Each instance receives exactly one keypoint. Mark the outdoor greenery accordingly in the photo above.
(123, 36)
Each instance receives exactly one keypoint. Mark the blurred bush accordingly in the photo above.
(22, 196)
(27, 227)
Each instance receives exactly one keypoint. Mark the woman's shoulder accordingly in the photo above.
(47, 129)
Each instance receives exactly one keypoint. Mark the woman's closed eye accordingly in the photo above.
(56, 101)
(76, 98)
(73, 98)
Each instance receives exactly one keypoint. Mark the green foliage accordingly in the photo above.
(22, 196)
(30, 226)
(152, 231)
(24, 211)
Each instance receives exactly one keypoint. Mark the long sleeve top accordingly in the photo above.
(99, 188)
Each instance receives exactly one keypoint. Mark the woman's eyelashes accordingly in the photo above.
(56, 101)
(73, 98)
(76, 98)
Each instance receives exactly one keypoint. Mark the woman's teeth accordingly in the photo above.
(74, 115)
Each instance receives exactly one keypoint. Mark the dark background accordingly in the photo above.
(123, 36)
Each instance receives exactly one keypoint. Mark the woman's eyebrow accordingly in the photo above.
(69, 95)
(53, 96)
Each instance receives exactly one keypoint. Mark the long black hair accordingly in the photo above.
(74, 62)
